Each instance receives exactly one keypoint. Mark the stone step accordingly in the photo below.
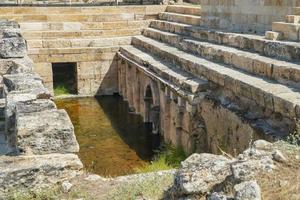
(253, 63)
(292, 19)
(80, 26)
(80, 34)
(68, 43)
(149, 9)
(290, 31)
(73, 17)
(254, 43)
(267, 94)
(296, 11)
(87, 54)
(170, 73)
(184, 9)
(261, 126)
(73, 50)
(181, 18)
(273, 35)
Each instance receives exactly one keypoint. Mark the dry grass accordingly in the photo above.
(151, 188)
(51, 193)
(284, 182)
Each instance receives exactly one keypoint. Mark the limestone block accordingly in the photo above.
(290, 31)
(34, 43)
(272, 35)
(281, 104)
(247, 190)
(53, 134)
(4, 24)
(200, 172)
(36, 171)
(33, 26)
(14, 47)
(230, 127)
(36, 105)
(44, 70)
(290, 72)
(261, 66)
(242, 62)
(10, 33)
(292, 19)
(14, 66)
(84, 86)
(11, 100)
(19, 82)
(71, 26)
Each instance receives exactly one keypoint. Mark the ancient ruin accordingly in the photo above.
(211, 76)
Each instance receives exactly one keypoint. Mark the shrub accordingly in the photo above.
(169, 157)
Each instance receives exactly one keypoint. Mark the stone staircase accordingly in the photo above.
(255, 79)
(288, 30)
(88, 36)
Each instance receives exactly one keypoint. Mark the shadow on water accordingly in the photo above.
(112, 140)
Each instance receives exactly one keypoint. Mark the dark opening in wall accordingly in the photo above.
(64, 78)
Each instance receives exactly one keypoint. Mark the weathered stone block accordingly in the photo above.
(45, 132)
(19, 82)
(23, 172)
(14, 66)
(36, 105)
(200, 172)
(8, 24)
(13, 47)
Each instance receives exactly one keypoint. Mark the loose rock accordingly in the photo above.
(66, 186)
(248, 190)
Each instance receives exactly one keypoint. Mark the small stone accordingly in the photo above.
(262, 145)
(216, 196)
(283, 183)
(66, 186)
(94, 177)
(248, 190)
(278, 156)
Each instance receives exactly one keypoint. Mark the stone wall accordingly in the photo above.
(37, 143)
(244, 15)
(185, 110)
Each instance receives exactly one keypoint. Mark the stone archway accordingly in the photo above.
(152, 111)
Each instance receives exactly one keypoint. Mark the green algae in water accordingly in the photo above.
(112, 141)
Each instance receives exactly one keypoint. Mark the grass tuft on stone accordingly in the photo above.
(169, 158)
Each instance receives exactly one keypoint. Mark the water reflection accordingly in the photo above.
(112, 141)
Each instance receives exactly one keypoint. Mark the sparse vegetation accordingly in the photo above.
(169, 158)
(53, 193)
(294, 138)
(61, 89)
(151, 188)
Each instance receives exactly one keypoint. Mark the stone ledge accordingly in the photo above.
(45, 132)
(36, 171)
(33, 125)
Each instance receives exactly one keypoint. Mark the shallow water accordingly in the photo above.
(112, 141)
